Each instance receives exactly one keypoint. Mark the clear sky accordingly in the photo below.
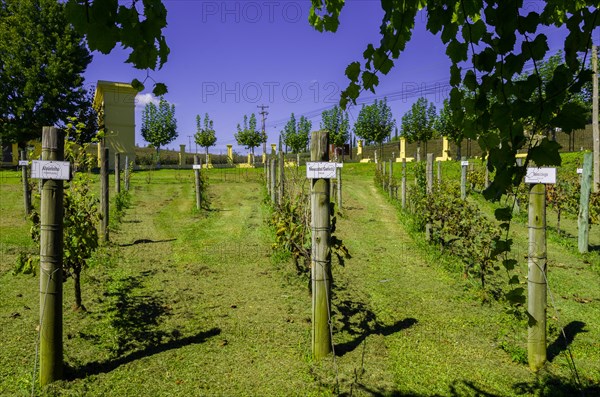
(228, 57)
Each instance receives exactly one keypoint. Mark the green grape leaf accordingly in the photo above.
(160, 89)
(353, 71)
(137, 85)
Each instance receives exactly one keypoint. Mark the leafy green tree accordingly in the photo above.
(137, 26)
(159, 126)
(488, 44)
(375, 122)
(205, 133)
(42, 59)
(445, 126)
(249, 136)
(296, 134)
(418, 123)
(335, 122)
(87, 116)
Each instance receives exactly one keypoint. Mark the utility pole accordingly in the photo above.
(595, 128)
(264, 114)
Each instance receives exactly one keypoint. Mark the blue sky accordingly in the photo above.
(228, 57)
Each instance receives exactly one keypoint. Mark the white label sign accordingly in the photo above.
(580, 170)
(24, 162)
(197, 166)
(339, 165)
(464, 162)
(320, 170)
(540, 175)
(44, 169)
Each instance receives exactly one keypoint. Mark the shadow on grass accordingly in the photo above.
(358, 320)
(147, 241)
(97, 367)
(561, 344)
(547, 385)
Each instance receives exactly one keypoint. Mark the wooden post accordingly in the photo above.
(429, 172)
(273, 179)
(595, 127)
(403, 183)
(51, 258)
(584, 203)
(127, 176)
(391, 172)
(197, 179)
(281, 193)
(104, 197)
(439, 172)
(382, 168)
(429, 177)
(117, 173)
(339, 187)
(26, 192)
(536, 278)
(463, 179)
(321, 256)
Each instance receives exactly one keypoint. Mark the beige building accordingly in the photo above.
(115, 103)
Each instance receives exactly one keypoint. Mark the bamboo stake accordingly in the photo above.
(403, 183)
(463, 180)
(26, 192)
(273, 180)
(51, 258)
(536, 279)
(584, 204)
(281, 193)
(104, 197)
(391, 172)
(429, 172)
(117, 173)
(197, 179)
(321, 259)
(339, 187)
(127, 176)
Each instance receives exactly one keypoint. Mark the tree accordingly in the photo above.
(446, 126)
(335, 122)
(249, 136)
(418, 123)
(42, 59)
(159, 126)
(375, 122)
(488, 44)
(205, 133)
(87, 116)
(296, 135)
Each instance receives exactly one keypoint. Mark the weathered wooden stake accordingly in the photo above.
(281, 193)
(197, 179)
(429, 178)
(463, 180)
(26, 192)
(127, 176)
(429, 172)
(595, 126)
(584, 204)
(117, 173)
(339, 188)
(439, 172)
(273, 180)
(321, 259)
(390, 182)
(104, 197)
(403, 183)
(536, 278)
(51, 258)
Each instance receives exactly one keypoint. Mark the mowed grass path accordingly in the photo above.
(193, 304)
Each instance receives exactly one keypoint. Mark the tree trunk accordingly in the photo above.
(206, 157)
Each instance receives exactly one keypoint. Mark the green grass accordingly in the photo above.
(187, 303)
